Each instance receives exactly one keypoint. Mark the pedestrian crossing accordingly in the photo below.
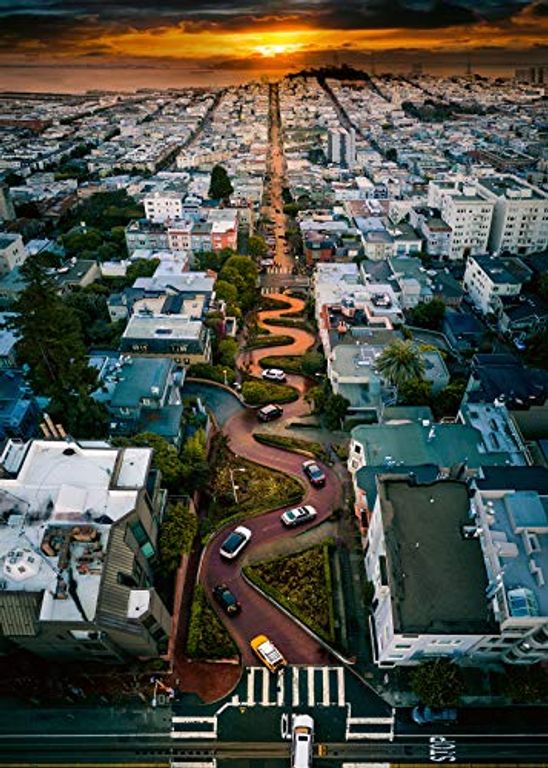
(292, 687)
(193, 727)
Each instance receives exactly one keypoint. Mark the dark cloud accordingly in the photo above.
(64, 23)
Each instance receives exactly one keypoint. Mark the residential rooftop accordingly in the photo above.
(437, 577)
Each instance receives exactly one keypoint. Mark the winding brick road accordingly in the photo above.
(258, 615)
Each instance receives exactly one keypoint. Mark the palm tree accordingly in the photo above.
(400, 362)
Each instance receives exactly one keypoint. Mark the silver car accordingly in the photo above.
(298, 516)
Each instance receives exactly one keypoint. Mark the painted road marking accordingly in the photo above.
(295, 690)
(281, 688)
(310, 683)
(178, 732)
(325, 684)
(250, 685)
(266, 688)
(340, 676)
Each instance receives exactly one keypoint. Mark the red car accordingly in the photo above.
(314, 473)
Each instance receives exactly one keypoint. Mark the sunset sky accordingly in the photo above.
(261, 34)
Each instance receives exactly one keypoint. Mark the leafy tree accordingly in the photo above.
(428, 315)
(291, 209)
(542, 288)
(335, 410)
(415, 392)
(177, 532)
(213, 260)
(447, 402)
(241, 272)
(228, 349)
(50, 339)
(196, 470)
(526, 685)
(78, 242)
(225, 291)
(438, 683)
(165, 458)
(392, 155)
(105, 210)
(81, 416)
(312, 363)
(536, 353)
(257, 247)
(141, 268)
(400, 362)
(220, 187)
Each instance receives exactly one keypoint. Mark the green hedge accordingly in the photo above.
(208, 638)
(301, 583)
(212, 372)
(305, 365)
(263, 392)
(295, 444)
(268, 341)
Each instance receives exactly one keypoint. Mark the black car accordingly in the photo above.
(314, 474)
(226, 599)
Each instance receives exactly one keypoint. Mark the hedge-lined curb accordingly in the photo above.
(265, 341)
(290, 444)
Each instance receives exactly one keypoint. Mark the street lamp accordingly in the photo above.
(224, 373)
(235, 487)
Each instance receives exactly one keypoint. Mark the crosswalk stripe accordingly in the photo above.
(266, 684)
(370, 721)
(355, 736)
(281, 688)
(340, 688)
(295, 691)
(325, 684)
(310, 681)
(250, 684)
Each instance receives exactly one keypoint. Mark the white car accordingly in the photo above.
(274, 374)
(298, 516)
(235, 542)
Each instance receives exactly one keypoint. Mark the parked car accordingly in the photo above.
(235, 542)
(427, 715)
(298, 516)
(226, 599)
(267, 653)
(314, 474)
(269, 412)
(274, 374)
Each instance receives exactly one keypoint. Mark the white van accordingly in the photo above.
(302, 740)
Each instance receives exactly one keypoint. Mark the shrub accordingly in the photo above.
(305, 447)
(438, 683)
(269, 340)
(177, 532)
(212, 373)
(207, 636)
(262, 392)
(301, 583)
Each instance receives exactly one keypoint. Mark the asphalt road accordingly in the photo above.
(140, 749)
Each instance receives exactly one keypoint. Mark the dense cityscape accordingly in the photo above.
(274, 420)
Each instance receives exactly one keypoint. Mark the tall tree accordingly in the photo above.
(220, 187)
(50, 338)
(400, 362)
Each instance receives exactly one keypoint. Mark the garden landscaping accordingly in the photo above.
(295, 444)
(302, 584)
(268, 340)
(263, 392)
(207, 636)
(305, 365)
(258, 490)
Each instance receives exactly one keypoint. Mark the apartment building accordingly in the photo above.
(187, 341)
(466, 212)
(142, 233)
(457, 575)
(12, 252)
(341, 146)
(520, 215)
(489, 278)
(78, 542)
(163, 206)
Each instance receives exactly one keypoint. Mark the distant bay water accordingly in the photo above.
(81, 79)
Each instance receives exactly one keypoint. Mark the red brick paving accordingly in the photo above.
(208, 680)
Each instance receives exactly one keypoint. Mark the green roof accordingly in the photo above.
(418, 443)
